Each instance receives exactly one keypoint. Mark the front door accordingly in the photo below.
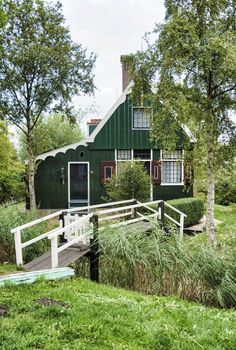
(78, 184)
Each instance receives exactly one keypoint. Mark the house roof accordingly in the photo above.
(91, 137)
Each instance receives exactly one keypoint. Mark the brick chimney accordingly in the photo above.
(126, 74)
(92, 125)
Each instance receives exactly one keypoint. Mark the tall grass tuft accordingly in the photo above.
(162, 264)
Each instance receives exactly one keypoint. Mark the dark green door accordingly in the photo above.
(78, 184)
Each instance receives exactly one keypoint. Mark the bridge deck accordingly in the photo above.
(65, 258)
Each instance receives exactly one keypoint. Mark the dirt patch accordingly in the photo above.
(49, 301)
(4, 311)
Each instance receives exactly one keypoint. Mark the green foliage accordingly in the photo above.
(12, 217)
(190, 63)
(50, 133)
(41, 69)
(226, 186)
(131, 182)
(161, 264)
(192, 207)
(11, 171)
(102, 318)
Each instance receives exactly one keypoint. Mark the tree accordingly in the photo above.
(11, 171)
(50, 133)
(132, 181)
(40, 68)
(191, 62)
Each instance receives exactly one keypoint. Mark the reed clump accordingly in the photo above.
(157, 263)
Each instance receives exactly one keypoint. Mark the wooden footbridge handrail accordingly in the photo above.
(80, 227)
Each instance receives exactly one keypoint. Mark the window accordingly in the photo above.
(155, 172)
(177, 154)
(108, 172)
(172, 166)
(123, 154)
(107, 169)
(142, 154)
(141, 118)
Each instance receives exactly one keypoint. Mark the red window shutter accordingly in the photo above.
(103, 164)
(156, 172)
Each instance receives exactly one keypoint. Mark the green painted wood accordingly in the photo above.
(171, 192)
(31, 277)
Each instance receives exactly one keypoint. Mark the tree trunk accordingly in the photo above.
(31, 168)
(210, 223)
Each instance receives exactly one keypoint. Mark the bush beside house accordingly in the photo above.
(192, 207)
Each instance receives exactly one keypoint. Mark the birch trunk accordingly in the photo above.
(210, 223)
(31, 167)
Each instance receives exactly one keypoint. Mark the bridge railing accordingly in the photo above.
(77, 228)
(17, 231)
(80, 227)
(181, 221)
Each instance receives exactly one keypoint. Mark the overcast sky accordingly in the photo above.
(110, 28)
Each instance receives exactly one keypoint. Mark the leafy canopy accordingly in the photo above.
(191, 63)
(51, 132)
(41, 68)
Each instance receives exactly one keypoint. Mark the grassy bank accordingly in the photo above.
(102, 317)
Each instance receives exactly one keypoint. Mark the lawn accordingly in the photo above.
(101, 317)
(225, 231)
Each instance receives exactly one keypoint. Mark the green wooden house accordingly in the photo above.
(74, 175)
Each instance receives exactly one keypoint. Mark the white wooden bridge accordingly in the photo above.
(77, 230)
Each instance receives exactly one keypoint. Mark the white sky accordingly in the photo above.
(110, 28)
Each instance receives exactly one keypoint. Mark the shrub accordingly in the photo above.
(192, 207)
(13, 217)
(133, 181)
(225, 190)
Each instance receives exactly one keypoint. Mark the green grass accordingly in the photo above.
(102, 317)
(225, 231)
(7, 268)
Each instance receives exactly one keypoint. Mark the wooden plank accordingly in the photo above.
(31, 277)
(65, 258)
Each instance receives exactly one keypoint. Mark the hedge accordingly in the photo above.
(192, 207)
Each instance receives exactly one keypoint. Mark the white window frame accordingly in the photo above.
(182, 170)
(104, 174)
(132, 115)
(131, 154)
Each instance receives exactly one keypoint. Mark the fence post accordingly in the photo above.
(181, 229)
(18, 248)
(94, 254)
(134, 210)
(54, 252)
(161, 211)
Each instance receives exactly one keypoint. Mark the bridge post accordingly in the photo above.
(94, 254)
(134, 210)
(161, 210)
(18, 248)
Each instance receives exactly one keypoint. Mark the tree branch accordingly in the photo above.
(225, 91)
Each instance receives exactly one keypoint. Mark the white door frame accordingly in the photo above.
(88, 175)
